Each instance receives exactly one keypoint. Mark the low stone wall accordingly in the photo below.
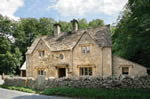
(16, 81)
(40, 83)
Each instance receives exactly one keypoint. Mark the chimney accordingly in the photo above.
(75, 24)
(57, 29)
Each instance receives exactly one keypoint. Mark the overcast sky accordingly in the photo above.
(64, 10)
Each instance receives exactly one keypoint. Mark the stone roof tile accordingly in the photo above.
(66, 41)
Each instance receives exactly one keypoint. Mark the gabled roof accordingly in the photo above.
(23, 67)
(66, 41)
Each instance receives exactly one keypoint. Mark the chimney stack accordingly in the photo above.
(57, 29)
(75, 24)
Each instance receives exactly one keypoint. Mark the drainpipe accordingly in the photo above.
(72, 62)
(102, 62)
(111, 63)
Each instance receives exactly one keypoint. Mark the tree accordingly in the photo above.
(131, 37)
(83, 23)
(9, 61)
(96, 23)
(65, 26)
(45, 26)
(9, 58)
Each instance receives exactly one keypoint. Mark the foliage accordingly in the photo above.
(83, 24)
(10, 57)
(99, 93)
(131, 37)
(95, 23)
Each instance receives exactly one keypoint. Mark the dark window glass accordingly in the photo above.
(90, 71)
(88, 49)
(41, 72)
(41, 53)
(86, 71)
(125, 70)
(83, 49)
(61, 56)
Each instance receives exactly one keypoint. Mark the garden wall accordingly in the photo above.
(41, 83)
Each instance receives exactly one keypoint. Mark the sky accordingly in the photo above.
(64, 10)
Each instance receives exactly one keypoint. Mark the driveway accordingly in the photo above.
(12, 94)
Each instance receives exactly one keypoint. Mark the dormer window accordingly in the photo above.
(41, 53)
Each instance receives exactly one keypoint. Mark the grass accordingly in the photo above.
(19, 88)
(100, 93)
(91, 93)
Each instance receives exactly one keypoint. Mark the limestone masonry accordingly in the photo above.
(77, 53)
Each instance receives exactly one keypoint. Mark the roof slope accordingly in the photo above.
(66, 41)
(23, 66)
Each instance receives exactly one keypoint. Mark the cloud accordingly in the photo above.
(83, 7)
(9, 7)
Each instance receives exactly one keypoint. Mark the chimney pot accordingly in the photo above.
(75, 24)
(57, 29)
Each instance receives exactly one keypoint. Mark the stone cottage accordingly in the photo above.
(77, 53)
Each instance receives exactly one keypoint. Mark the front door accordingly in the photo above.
(62, 72)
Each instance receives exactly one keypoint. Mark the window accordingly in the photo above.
(88, 49)
(86, 71)
(61, 56)
(41, 53)
(83, 49)
(125, 70)
(40, 72)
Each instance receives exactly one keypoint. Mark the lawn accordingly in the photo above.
(19, 88)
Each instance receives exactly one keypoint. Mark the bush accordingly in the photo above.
(99, 93)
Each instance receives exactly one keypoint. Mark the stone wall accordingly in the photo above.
(82, 82)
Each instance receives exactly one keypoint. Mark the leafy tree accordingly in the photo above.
(131, 37)
(96, 23)
(65, 26)
(9, 58)
(9, 61)
(83, 24)
(45, 26)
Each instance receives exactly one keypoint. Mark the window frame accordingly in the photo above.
(41, 72)
(86, 71)
(125, 73)
(86, 49)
